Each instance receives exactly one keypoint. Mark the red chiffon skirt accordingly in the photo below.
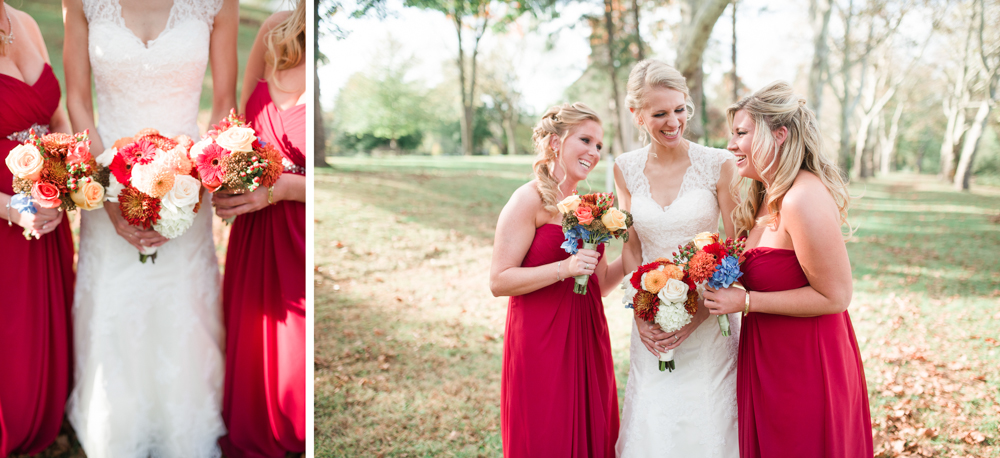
(558, 396)
(801, 389)
(36, 295)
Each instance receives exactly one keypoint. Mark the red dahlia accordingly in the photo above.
(139, 209)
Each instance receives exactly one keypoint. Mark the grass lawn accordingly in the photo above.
(409, 339)
(48, 15)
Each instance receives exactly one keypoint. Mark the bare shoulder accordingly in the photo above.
(526, 196)
(29, 24)
(808, 198)
(273, 20)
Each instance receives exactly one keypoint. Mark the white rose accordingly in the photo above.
(185, 192)
(25, 162)
(114, 188)
(198, 148)
(237, 139)
(630, 290)
(106, 157)
(674, 292)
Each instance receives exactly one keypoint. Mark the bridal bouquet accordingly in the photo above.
(664, 293)
(154, 181)
(230, 157)
(54, 170)
(592, 219)
(709, 260)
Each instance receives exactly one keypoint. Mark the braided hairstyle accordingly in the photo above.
(558, 121)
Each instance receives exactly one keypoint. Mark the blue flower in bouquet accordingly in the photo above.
(23, 204)
(573, 237)
(726, 273)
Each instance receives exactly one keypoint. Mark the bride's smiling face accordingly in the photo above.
(664, 116)
(580, 150)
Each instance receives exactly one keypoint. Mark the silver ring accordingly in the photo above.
(675, 338)
(586, 266)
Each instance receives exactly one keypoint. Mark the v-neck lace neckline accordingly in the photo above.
(684, 179)
(166, 27)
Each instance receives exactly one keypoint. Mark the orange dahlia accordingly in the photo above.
(152, 179)
(122, 142)
(701, 267)
(654, 281)
(176, 160)
(57, 144)
(673, 271)
(55, 172)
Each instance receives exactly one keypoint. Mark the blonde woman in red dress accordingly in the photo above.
(801, 387)
(264, 287)
(37, 274)
(558, 396)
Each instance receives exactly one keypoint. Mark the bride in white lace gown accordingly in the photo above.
(674, 189)
(148, 337)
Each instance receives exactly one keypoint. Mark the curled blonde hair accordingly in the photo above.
(771, 108)
(652, 74)
(285, 44)
(558, 120)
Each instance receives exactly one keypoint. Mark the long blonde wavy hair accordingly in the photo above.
(771, 108)
(558, 120)
(652, 74)
(285, 44)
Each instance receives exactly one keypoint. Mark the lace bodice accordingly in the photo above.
(692, 410)
(694, 210)
(157, 84)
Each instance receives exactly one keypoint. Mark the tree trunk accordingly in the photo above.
(888, 148)
(617, 137)
(845, 99)
(971, 146)
(820, 11)
(319, 134)
(700, 20)
(510, 124)
(956, 119)
(640, 53)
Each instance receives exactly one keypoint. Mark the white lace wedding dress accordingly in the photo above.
(690, 412)
(148, 337)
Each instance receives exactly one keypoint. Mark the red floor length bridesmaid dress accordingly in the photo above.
(558, 396)
(263, 296)
(36, 294)
(801, 387)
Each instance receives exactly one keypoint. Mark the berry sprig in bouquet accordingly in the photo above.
(54, 170)
(154, 182)
(593, 220)
(664, 293)
(710, 260)
(232, 159)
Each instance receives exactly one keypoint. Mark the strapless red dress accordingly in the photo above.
(801, 388)
(36, 338)
(558, 396)
(264, 300)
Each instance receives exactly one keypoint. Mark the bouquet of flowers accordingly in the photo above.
(53, 170)
(592, 219)
(709, 260)
(154, 181)
(662, 292)
(230, 157)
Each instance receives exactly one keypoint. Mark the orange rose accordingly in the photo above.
(584, 214)
(45, 194)
(89, 195)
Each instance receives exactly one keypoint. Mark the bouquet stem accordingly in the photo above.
(580, 285)
(147, 253)
(724, 324)
(667, 361)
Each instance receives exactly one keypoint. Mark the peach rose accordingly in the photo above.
(79, 153)
(237, 139)
(568, 204)
(45, 194)
(25, 162)
(704, 239)
(613, 219)
(89, 195)
(584, 214)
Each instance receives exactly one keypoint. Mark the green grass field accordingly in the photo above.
(409, 339)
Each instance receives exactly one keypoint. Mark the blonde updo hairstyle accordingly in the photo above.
(771, 108)
(558, 121)
(648, 75)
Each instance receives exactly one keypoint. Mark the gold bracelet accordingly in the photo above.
(270, 195)
(746, 308)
